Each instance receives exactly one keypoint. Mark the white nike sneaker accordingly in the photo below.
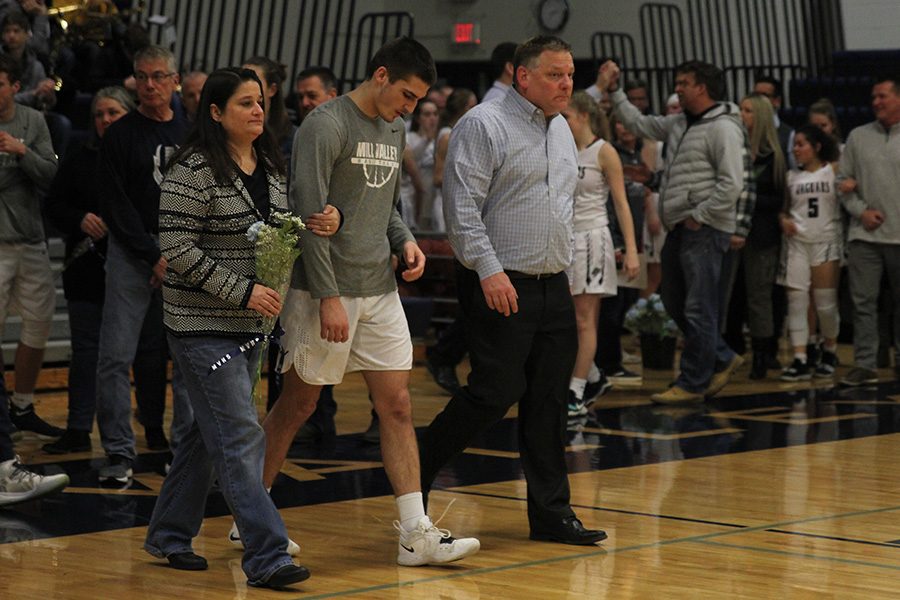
(234, 536)
(428, 545)
(19, 484)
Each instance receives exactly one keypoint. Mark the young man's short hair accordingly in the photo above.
(326, 76)
(528, 51)
(404, 58)
(11, 67)
(706, 74)
(775, 83)
(16, 18)
(504, 52)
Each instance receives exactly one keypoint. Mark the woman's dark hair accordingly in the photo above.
(456, 105)
(828, 150)
(275, 74)
(417, 111)
(208, 137)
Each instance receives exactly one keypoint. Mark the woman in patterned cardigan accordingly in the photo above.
(227, 176)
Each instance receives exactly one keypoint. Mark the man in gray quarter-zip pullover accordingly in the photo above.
(872, 158)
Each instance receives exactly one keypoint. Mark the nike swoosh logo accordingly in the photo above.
(408, 549)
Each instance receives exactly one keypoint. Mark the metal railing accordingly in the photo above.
(782, 38)
(296, 33)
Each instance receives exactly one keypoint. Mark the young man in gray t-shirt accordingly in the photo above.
(343, 312)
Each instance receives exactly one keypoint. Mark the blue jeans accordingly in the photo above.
(129, 298)
(225, 440)
(690, 290)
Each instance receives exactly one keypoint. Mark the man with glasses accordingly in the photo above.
(133, 158)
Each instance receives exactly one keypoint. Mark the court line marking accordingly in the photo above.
(702, 538)
(604, 509)
(894, 544)
(837, 559)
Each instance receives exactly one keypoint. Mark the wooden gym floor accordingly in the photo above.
(770, 491)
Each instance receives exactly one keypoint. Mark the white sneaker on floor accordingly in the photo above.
(234, 536)
(428, 545)
(18, 484)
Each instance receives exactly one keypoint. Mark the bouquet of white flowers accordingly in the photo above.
(277, 247)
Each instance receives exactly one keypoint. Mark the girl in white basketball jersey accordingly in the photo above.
(811, 222)
(593, 271)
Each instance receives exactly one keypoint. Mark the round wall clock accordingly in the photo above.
(553, 14)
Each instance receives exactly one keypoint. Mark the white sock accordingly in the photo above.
(827, 310)
(22, 401)
(411, 509)
(798, 302)
(577, 385)
(593, 374)
(801, 357)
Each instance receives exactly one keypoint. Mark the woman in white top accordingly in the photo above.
(811, 223)
(416, 188)
(593, 272)
(458, 103)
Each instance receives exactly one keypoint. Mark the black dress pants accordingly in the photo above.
(526, 358)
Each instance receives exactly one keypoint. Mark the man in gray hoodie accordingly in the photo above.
(702, 203)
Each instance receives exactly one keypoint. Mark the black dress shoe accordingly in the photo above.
(444, 376)
(71, 441)
(569, 531)
(187, 561)
(283, 577)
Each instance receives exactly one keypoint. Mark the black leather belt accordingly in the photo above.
(521, 275)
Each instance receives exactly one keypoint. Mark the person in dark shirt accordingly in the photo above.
(73, 207)
(133, 156)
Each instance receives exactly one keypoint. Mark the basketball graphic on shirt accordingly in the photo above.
(378, 161)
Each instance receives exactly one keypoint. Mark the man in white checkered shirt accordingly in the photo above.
(509, 185)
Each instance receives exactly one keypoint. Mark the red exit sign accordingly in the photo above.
(466, 33)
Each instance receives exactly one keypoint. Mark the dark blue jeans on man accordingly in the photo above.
(690, 290)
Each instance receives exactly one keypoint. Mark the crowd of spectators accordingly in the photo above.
(102, 198)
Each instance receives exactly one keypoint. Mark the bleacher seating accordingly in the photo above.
(849, 87)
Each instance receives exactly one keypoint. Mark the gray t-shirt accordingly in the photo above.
(22, 180)
(345, 158)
